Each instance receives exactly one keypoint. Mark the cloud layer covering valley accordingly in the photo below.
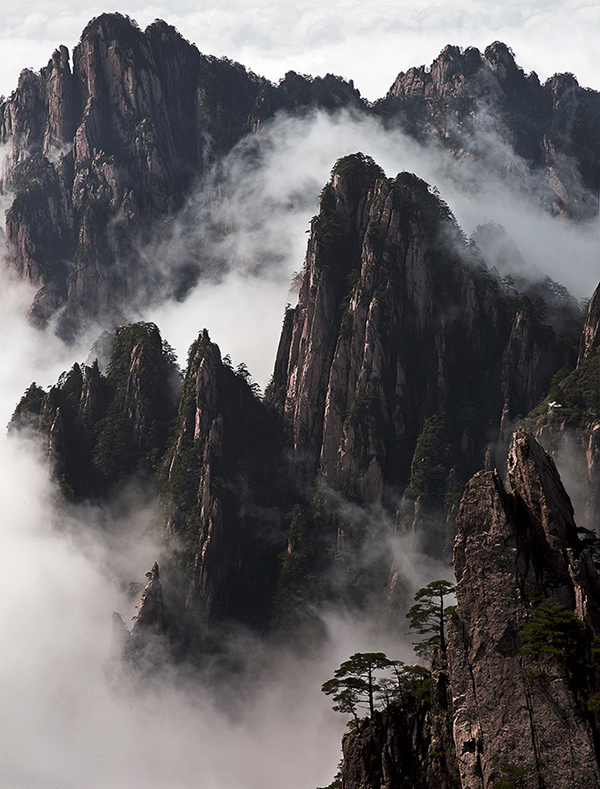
(70, 721)
(272, 195)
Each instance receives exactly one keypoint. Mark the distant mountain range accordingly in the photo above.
(404, 369)
(105, 147)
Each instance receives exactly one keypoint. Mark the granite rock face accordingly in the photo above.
(225, 490)
(103, 149)
(397, 315)
(104, 145)
(408, 744)
(482, 107)
(151, 609)
(567, 421)
(101, 429)
(517, 553)
(591, 331)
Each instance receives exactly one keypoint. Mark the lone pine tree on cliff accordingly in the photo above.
(428, 615)
(354, 683)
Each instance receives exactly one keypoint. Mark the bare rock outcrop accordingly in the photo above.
(104, 148)
(408, 744)
(529, 713)
(381, 360)
(467, 98)
(151, 609)
(102, 429)
(516, 551)
(224, 491)
(590, 338)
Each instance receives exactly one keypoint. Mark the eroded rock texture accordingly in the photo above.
(514, 548)
(103, 149)
(102, 429)
(151, 609)
(381, 362)
(104, 146)
(517, 552)
(225, 491)
(408, 744)
(482, 107)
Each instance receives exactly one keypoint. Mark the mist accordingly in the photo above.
(369, 44)
(74, 717)
(268, 189)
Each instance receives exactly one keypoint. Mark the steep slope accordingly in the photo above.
(224, 491)
(103, 148)
(567, 419)
(102, 429)
(483, 107)
(104, 151)
(509, 707)
(521, 655)
(378, 372)
(377, 394)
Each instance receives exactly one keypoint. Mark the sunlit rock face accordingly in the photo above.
(517, 552)
(105, 154)
(104, 147)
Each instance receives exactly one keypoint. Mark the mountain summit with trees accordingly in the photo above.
(419, 391)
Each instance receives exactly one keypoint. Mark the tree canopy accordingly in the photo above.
(371, 680)
(429, 615)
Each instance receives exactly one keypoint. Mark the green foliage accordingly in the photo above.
(577, 394)
(355, 684)
(29, 408)
(326, 227)
(416, 193)
(429, 616)
(513, 776)
(104, 428)
(408, 682)
(359, 170)
(556, 632)
(359, 406)
(593, 703)
(299, 582)
(429, 469)
(133, 433)
(590, 542)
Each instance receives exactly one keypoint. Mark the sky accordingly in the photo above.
(367, 42)
(67, 725)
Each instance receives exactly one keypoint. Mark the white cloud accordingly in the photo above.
(369, 43)
(68, 725)
(268, 208)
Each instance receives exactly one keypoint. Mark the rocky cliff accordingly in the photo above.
(225, 491)
(103, 146)
(483, 107)
(377, 396)
(378, 372)
(521, 656)
(100, 429)
(567, 420)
